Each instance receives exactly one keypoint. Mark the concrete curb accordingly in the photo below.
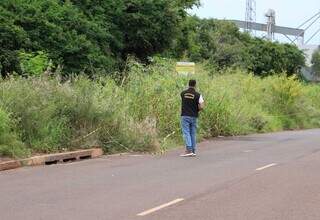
(8, 165)
(52, 159)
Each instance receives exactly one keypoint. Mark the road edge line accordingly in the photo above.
(147, 212)
(267, 166)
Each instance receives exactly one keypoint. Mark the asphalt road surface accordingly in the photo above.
(257, 177)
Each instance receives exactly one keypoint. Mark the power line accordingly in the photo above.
(317, 32)
(309, 20)
(317, 18)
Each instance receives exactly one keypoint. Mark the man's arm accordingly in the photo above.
(201, 103)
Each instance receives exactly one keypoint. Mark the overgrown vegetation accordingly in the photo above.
(82, 73)
(141, 111)
(90, 36)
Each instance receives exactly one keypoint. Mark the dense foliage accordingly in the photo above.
(59, 29)
(94, 36)
(87, 35)
(142, 114)
(223, 45)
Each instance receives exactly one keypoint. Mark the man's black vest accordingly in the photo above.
(190, 103)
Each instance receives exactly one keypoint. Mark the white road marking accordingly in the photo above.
(267, 166)
(160, 207)
(247, 151)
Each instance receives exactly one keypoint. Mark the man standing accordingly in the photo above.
(192, 103)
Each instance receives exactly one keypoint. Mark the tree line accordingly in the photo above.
(97, 36)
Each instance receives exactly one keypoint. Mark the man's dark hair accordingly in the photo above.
(192, 83)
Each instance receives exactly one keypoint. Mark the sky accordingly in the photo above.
(290, 13)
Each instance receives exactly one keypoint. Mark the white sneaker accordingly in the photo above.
(194, 154)
(187, 155)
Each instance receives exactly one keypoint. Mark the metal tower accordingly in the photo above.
(251, 15)
(271, 23)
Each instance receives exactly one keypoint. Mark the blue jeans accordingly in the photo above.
(189, 131)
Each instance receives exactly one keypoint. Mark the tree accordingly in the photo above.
(272, 57)
(57, 28)
(151, 25)
(222, 45)
(94, 36)
(88, 35)
(12, 38)
(219, 42)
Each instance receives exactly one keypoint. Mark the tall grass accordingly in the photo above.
(10, 145)
(141, 112)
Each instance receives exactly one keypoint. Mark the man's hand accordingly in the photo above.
(201, 103)
(201, 106)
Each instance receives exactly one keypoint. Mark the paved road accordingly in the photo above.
(258, 177)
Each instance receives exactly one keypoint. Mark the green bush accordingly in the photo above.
(33, 63)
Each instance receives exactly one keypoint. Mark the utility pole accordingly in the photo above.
(251, 15)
